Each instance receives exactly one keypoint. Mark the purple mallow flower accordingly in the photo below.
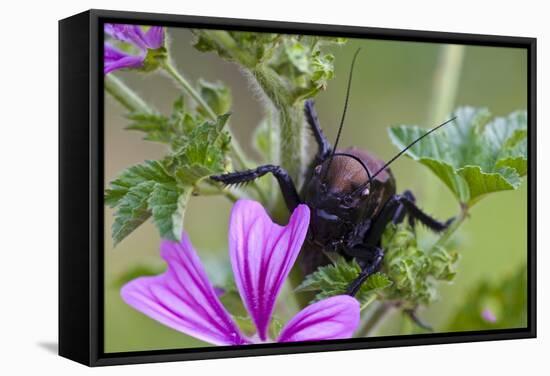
(262, 254)
(488, 316)
(141, 40)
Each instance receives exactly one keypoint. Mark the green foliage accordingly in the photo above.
(172, 130)
(167, 203)
(162, 188)
(302, 65)
(472, 156)
(408, 274)
(148, 171)
(155, 126)
(203, 153)
(216, 95)
(249, 47)
(300, 69)
(506, 301)
(412, 270)
(154, 59)
(132, 210)
(335, 278)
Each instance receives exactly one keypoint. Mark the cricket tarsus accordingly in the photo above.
(288, 189)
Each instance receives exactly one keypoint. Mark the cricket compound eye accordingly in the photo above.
(365, 192)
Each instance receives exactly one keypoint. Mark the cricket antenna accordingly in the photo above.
(404, 150)
(343, 113)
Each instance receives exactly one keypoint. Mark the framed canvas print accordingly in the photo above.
(236, 187)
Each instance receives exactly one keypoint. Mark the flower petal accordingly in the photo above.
(154, 37)
(332, 318)
(183, 298)
(262, 254)
(114, 59)
(132, 34)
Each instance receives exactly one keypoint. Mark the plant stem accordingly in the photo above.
(124, 95)
(374, 320)
(368, 303)
(445, 83)
(291, 119)
(172, 72)
(443, 240)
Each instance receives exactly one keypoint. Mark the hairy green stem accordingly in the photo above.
(124, 95)
(445, 83)
(291, 119)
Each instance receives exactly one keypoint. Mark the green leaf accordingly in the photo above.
(297, 55)
(413, 270)
(168, 203)
(148, 171)
(145, 190)
(155, 126)
(323, 70)
(442, 264)
(472, 156)
(505, 300)
(481, 183)
(216, 95)
(335, 278)
(132, 210)
(173, 130)
(203, 154)
(248, 48)
(163, 188)
(300, 63)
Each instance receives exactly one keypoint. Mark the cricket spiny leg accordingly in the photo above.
(288, 189)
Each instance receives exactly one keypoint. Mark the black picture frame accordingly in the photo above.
(81, 282)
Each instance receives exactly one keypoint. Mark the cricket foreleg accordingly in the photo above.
(369, 258)
(288, 189)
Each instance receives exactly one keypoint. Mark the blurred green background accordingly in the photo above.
(392, 85)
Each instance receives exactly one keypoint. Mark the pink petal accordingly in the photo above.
(154, 37)
(132, 34)
(183, 298)
(114, 59)
(332, 318)
(262, 254)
